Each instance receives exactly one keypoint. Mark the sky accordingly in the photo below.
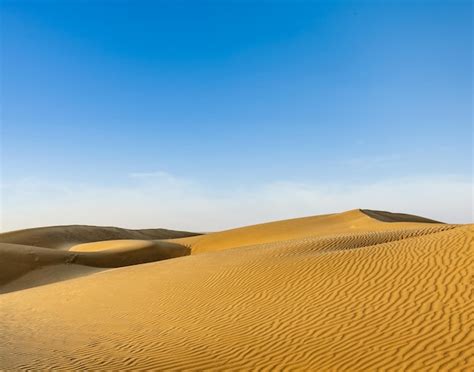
(206, 115)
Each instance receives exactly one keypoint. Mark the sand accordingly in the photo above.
(355, 291)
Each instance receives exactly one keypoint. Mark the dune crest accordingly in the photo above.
(356, 220)
(358, 291)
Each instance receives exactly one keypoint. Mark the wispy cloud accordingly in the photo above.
(158, 174)
(373, 161)
(159, 199)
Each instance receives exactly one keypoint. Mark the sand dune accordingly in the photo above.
(64, 237)
(352, 221)
(18, 260)
(358, 291)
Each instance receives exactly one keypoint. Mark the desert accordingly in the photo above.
(358, 290)
(236, 185)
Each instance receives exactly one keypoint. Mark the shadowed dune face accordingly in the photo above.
(18, 260)
(396, 217)
(336, 292)
(25, 251)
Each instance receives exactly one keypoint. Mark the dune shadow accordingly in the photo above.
(385, 216)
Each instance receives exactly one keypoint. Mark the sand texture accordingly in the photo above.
(355, 291)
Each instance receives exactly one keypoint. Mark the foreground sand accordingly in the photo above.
(347, 291)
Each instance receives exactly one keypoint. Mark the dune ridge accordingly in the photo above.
(349, 291)
(350, 221)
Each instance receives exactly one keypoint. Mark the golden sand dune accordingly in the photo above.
(345, 292)
(63, 237)
(352, 221)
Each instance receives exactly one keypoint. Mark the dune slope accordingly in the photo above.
(362, 295)
(356, 220)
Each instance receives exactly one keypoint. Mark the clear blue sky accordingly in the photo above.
(236, 92)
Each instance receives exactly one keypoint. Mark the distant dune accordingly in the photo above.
(355, 291)
(64, 237)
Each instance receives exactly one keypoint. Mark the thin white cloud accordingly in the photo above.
(158, 174)
(374, 161)
(158, 199)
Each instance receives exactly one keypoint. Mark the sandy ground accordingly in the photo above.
(355, 291)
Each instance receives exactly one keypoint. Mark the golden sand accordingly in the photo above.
(345, 292)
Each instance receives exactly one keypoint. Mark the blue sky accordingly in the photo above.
(233, 97)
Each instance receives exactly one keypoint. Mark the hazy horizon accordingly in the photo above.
(210, 115)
